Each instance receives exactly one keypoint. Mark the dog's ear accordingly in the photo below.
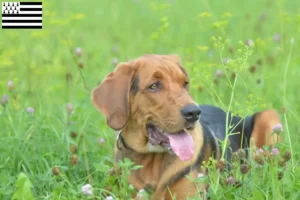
(111, 97)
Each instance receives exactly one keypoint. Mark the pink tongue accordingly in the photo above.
(182, 145)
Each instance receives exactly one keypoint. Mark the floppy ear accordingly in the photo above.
(111, 97)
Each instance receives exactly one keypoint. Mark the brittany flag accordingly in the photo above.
(22, 15)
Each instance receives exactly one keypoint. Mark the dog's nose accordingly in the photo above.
(191, 112)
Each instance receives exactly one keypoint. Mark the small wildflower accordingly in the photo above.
(282, 162)
(101, 141)
(87, 189)
(235, 157)
(74, 160)
(80, 64)
(276, 37)
(280, 175)
(244, 168)
(78, 51)
(275, 152)
(69, 108)
(114, 61)
(252, 69)
(219, 73)
(230, 180)
(241, 153)
(109, 198)
(73, 134)
(4, 100)
(221, 164)
(55, 171)
(200, 175)
(259, 159)
(30, 110)
(73, 148)
(249, 43)
(259, 151)
(287, 155)
(277, 128)
(10, 85)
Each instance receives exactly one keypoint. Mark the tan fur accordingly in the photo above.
(262, 129)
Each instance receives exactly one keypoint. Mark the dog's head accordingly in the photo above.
(148, 97)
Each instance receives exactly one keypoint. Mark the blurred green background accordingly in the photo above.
(47, 74)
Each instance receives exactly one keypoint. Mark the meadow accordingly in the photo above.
(241, 55)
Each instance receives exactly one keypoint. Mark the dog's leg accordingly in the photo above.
(180, 190)
(262, 129)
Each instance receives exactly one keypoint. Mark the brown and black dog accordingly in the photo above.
(147, 100)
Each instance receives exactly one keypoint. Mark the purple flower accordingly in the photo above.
(30, 110)
(275, 152)
(276, 37)
(218, 73)
(78, 51)
(114, 61)
(87, 189)
(69, 107)
(230, 180)
(277, 128)
(4, 100)
(10, 85)
(101, 141)
(259, 151)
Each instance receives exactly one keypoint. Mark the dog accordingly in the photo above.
(163, 129)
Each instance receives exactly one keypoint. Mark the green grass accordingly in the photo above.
(39, 62)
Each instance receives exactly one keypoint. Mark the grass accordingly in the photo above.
(36, 161)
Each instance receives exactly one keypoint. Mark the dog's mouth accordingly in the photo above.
(181, 142)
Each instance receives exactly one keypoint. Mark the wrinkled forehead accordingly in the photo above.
(160, 67)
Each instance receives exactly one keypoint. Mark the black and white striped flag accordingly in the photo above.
(22, 15)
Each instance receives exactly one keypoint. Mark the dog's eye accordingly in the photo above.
(186, 84)
(154, 87)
